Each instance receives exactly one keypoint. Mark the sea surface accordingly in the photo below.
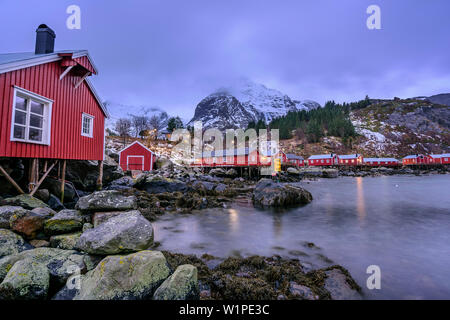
(399, 223)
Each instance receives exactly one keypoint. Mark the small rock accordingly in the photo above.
(55, 203)
(181, 285)
(63, 222)
(6, 212)
(42, 194)
(28, 223)
(40, 243)
(65, 241)
(301, 292)
(337, 285)
(87, 226)
(11, 243)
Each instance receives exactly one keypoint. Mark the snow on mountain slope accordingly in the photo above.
(245, 101)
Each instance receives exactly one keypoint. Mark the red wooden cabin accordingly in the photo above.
(439, 158)
(378, 162)
(323, 160)
(136, 156)
(415, 159)
(240, 157)
(294, 160)
(445, 158)
(350, 159)
(48, 107)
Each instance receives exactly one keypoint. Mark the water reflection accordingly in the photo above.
(360, 203)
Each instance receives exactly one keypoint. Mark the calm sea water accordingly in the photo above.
(400, 223)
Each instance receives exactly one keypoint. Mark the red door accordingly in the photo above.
(135, 163)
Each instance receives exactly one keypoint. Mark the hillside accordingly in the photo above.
(387, 128)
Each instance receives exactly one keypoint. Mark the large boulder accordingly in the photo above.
(330, 173)
(130, 277)
(6, 212)
(127, 232)
(181, 285)
(341, 286)
(26, 280)
(107, 200)
(60, 263)
(11, 243)
(268, 193)
(30, 223)
(64, 221)
(292, 171)
(84, 174)
(54, 186)
(25, 201)
(158, 184)
(218, 172)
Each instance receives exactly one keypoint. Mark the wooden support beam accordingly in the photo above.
(100, 175)
(11, 180)
(87, 74)
(33, 172)
(65, 72)
(43, 178)
(63, 178)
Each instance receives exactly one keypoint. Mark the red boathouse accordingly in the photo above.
(136, 156)
(351, 159)
(49, 109)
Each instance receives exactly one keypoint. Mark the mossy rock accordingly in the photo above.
(65, 241)
(181, 285)
(25, 201)
(131, 277)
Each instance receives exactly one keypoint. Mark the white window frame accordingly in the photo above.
(91, 117)
(47, 116)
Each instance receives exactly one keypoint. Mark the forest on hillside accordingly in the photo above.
(331, 120)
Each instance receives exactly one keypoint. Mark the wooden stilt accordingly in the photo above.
(45, 166)
(19, 189)
(43, 178)
(100, 175)
(63, 178)
(33, 173)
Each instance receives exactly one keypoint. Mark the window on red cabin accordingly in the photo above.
(30, 117)
(87, 125)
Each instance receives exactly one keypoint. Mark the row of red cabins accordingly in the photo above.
(243, 157)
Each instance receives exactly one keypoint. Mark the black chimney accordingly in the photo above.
(45, 40)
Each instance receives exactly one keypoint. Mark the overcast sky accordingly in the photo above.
(172, 54)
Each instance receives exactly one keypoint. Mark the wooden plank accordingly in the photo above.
(63, 182)
(100, 175)
(11, 180)
(43, 178)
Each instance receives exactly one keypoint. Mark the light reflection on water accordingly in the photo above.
(401, 223)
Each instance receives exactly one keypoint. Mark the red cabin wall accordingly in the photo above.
(66, 141)
(136, 150)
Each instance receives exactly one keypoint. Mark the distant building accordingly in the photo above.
(323, 160)
(350, 159)
(377, 162)
(136, 157)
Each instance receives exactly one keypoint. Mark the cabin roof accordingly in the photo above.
(136, 142)
(321, 156)
(19, 60)
(293, 156)
(413, 156)
(380, 159)
(349, 156)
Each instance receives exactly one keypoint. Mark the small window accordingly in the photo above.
(87, 125)
(30, 117)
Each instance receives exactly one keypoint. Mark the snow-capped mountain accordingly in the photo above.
(235, 106)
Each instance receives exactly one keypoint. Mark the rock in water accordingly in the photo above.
(6, 212)
(158, 184)
(181, 285)
(268, 193)
(339, 287)
(127, 232)
(11, 243)
(131, 277)
(109, 200)
(25, 201)
(63, 222)
(330, 173)
(292, 171)
(26, 280)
